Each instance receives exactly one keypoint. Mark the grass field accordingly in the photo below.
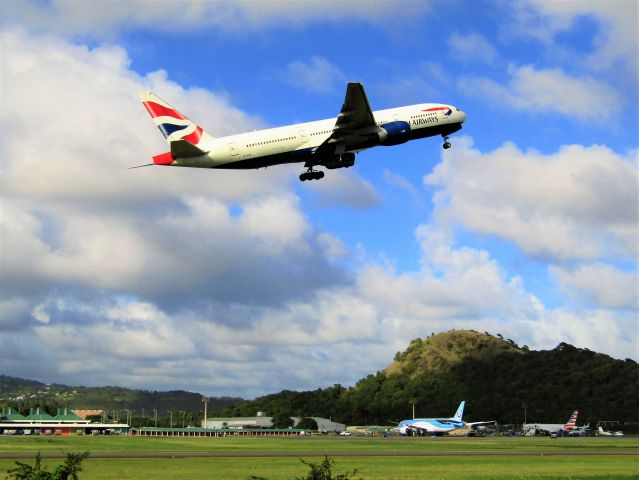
(502, 458)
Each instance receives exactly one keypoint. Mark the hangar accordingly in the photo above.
(261, 421)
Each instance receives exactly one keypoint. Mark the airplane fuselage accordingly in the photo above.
(296, 143)
(429, 425)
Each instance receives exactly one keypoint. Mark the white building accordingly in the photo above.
(260, 421)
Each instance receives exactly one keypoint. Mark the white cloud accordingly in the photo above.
(578, 203)
(345, 189)
(598, 330)
(472, 47)
(600, 284)
(212, 281)
(546, 90)
(317, 76)
(616, 39)
(107, 18)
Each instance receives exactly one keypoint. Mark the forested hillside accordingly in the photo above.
(494, 376)
(24, 394)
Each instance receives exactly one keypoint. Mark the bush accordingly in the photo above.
(320, 471)
(67, 471)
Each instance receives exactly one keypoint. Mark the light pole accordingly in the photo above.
(413, 402)
(127, 416)
(524, 406)
(155, 417)
(171, 418)
(206, 402)
(183, 415)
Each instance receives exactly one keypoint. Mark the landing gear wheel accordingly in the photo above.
(447, 145)
(311, 175)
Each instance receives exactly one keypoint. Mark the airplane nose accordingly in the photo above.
(462, 116)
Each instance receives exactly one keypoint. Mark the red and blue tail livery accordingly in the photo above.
(173, 125)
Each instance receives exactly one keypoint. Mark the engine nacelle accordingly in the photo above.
(344, 160)
(394, 133)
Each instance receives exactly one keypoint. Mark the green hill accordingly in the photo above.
(494, 375)
(441, 351)
(23, 394)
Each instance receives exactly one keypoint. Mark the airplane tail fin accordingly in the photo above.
(460, 411)
(573, 420)
(176, 128)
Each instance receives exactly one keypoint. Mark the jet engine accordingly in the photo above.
(394, 133)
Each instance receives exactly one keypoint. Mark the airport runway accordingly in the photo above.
(316, 453)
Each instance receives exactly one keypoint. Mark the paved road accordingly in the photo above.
(317, 453)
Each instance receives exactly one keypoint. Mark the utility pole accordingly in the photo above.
(206, 402)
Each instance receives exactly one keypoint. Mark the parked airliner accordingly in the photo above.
(550, 428)
(436, 426)
(331, 143)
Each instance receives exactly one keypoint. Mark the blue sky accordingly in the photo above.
(248, 282)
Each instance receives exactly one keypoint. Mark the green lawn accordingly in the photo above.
(301, 444)
(607, 466)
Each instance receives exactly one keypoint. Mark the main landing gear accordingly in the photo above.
(446, 144)
(311, 174)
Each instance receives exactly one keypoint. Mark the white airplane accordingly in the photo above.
(330, 143)
(550, 428)
(436, 426)
(607, 433)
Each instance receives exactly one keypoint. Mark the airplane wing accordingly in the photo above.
(476, 424)
(356, 116)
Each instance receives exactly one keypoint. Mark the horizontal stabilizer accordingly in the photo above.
(182, 148)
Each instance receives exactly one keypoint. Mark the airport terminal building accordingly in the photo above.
(65, 422)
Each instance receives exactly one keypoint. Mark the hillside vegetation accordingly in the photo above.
(23, 394)
(441, 351)
(494, 376)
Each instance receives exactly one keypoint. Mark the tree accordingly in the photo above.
(282, 421)
(307, 423)
(67, 471)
